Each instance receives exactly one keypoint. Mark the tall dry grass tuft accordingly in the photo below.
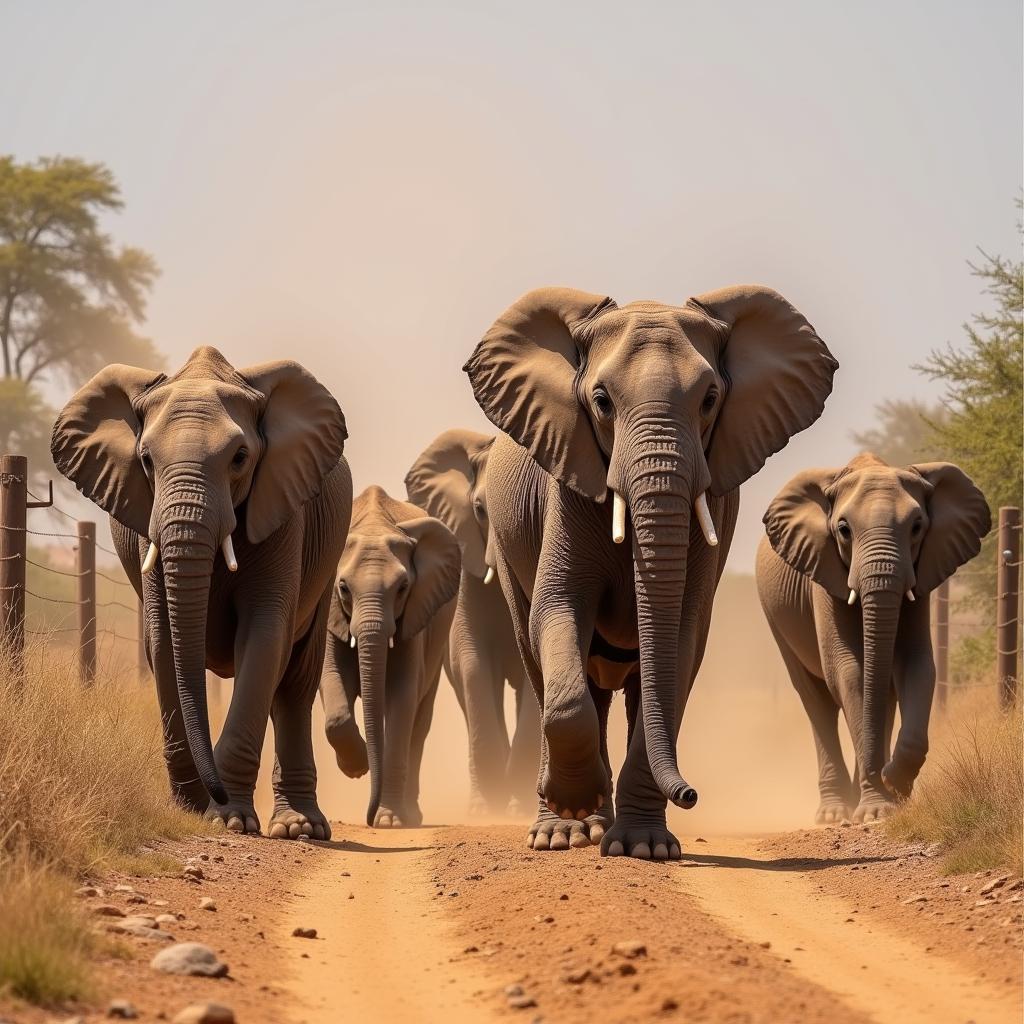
(970, 797)
(82, 788)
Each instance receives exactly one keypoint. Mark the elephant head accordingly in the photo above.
(182, 460)
(879, 535)
(399, 568)
(658, 405)
(449, 480)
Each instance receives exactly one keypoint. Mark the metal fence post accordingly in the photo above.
(1008, 604)
(13, 503)
(942, 642)
(87, 601)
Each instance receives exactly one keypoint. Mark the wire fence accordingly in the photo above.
(39, 598)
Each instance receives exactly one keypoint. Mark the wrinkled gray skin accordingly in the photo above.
(449, 480)
(661, 405)
(391, 611)
(184, 462)
(890, 536)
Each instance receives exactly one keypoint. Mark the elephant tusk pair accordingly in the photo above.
(707, 524)
(352, 642)
(853, 597)
(489, 575)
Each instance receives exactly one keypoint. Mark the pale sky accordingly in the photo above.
(366, 187)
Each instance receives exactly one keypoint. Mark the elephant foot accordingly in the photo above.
(298, 817)
(898, 781)
(644, 836)
(478, 806)
(517, 808)
(349, 750)
(831, 811)
(576, 792)
(551, 832)
(236, 815)
(873, 807)
(408, 816)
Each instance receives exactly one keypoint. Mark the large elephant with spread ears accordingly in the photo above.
(449, 480)
(665, 410)
(844, 573)
(229, 502)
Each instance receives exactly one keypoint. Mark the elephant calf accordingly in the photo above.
(246, 464)
(449, 480)
(390, 615)
(844, 575)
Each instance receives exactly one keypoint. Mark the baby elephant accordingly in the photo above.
(844, 575)
(390, 615)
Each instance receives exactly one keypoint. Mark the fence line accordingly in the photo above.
(14, 560)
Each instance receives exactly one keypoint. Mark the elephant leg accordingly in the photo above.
(835, 788)
(296, 811)
(874, 801)
(420, 728)
(186, 787)
(262, 651)
(339, 687)
(402, 689)
(524, 752)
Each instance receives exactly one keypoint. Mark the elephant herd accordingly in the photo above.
(604, 507)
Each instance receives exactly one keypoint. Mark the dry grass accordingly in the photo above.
(82, 789)
(970, 797)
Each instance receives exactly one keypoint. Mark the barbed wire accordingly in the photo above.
(117, 636)
(37, 533)
(56, 572)
(116, 604)
(111, 579)
(52, 600)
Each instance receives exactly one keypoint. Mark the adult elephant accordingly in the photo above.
(449, 480)
(844, 575)
(390, 616)
(247, 463)
(668, 409)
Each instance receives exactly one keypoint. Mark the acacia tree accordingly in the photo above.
(70, 298)
(904, 432)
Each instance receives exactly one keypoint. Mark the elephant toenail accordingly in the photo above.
(615, 849)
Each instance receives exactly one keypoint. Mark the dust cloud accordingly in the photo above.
(745, 745)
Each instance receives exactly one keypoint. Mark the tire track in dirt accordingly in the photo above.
(870, 967)
(384, 947)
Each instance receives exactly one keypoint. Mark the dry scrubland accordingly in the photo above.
(82, 789)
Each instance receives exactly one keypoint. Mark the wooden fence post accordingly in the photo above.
(1008, 604)
(87, 601)
(942, 642)
(13, 503)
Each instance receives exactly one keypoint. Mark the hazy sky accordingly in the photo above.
(366, 187)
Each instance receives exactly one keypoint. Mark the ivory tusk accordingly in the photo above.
(151, 557)
(910, 596)
(852, 597)
(391, 642)
(229, 554)
(352, 641)
(489, 575)
(618, 517)
(704, 518)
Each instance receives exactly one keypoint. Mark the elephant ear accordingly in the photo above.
(959, 518)
(778, 373)
(437, 564)
(337, 621)
(797, 523)
(94, 444)
(304, 436)
(523, 375)
(441, 481)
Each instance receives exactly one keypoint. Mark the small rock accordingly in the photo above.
(108, 910)
(996, 883)
(303, 839)
(668, 1005)
(136, 897)
(122, 1010)
(630, 949)
(523, 1002)
(513, 990)
(166, 919)
(985, 903)
(123, 888)
(193, 872)
(576, 975)
(919, 898)
(207, 903)
(1015, 885)
(765, 945)
(933, 850)
(205, 1013)
(88, 890)
(304, 933)
(700, 840)
(626, 970)
(191, 958)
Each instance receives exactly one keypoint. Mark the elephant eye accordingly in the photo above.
(602, 403)
(239, 460)
(710, 399)
(916, 528)
(843, 529)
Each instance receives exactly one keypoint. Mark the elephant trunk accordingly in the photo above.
(660, 498)
(188, 546)
(882, 598)
(373, 659)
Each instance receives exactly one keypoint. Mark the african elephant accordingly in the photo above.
(248, 463)
(449, 480)
(390, 615)
(670, 409)
(844, 575)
